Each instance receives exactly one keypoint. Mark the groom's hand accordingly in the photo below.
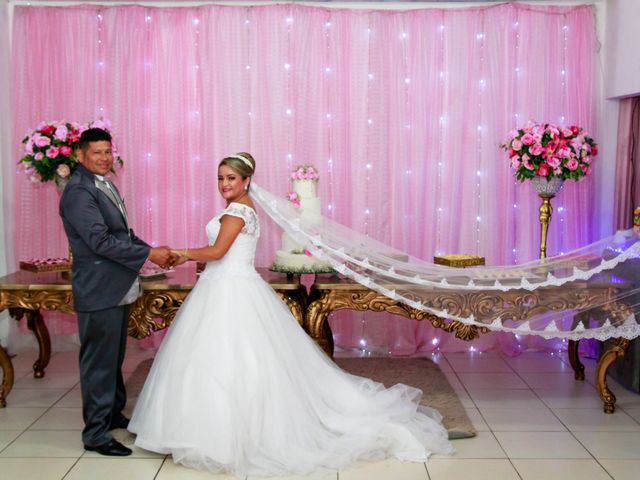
(176, 259)
(161, 256)
(179, 258)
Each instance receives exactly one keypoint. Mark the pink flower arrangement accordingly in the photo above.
(549, 150)
(305, 172)
(50, 149)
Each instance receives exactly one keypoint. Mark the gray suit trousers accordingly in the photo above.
(103, 339)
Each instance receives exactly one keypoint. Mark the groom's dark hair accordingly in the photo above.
(93, 135)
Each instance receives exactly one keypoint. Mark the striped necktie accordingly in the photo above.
(113, 194)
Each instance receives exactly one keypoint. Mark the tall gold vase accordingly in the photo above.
(546, 189)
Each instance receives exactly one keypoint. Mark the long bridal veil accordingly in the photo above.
(590, 292)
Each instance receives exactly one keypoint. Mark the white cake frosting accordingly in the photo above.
(293, 256)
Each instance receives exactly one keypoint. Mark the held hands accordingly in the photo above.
(181, 256)
(164, 257)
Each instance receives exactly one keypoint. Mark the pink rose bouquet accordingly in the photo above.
(548, 150)
(50, 149)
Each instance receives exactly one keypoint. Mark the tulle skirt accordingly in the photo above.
(238, 386)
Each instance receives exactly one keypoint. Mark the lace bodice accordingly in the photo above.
(239, 260)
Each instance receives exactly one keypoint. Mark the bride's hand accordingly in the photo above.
(179, 257)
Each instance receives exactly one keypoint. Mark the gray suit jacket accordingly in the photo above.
(107, 256)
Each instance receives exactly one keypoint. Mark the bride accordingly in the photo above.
(238, 386)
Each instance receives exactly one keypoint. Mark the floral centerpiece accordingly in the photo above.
(301, 172)
(550, 151)
(50, 150)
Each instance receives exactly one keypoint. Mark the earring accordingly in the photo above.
(246, 187)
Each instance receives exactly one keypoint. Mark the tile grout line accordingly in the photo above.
(160, 468)
(72, 467)
(426, 469)
(483, 418)
(530, 388)
(455, 375)
(47, 409)
(568, 429)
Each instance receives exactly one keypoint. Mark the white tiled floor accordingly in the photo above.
(533, 420)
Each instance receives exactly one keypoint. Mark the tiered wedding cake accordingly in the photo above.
(294, 257)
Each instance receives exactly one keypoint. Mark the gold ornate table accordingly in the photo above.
(331, 293)
(25, 293)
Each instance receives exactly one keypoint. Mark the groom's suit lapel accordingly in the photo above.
(117, 202)
(103, 192)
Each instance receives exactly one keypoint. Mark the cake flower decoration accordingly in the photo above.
(293, 198)
(305, 172)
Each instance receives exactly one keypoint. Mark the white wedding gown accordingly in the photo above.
(238, 386)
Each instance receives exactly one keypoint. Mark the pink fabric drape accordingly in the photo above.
(402, 112)
(627, 162)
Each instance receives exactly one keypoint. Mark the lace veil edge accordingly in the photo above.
(590, 292)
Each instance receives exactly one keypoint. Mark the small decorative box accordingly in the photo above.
(46, 265)
(459, 260)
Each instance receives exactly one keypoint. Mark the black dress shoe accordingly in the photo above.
(119, 422)
(112, 448)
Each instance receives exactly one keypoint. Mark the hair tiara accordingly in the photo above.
(244, 160)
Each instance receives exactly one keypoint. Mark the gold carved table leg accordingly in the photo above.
(36, 324)
(297, 301)
(154, 311)
(7, 376)
(574, 360)
(617, 349)
(323, 302)
(316, 322)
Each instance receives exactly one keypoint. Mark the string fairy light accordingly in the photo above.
(100, 67)
(148, 156)
(404, 36)
(189, 221)
(196, 36)
(516, 121)
(248, 71)
(441, 126)
(480, 37)
(367, 167)
(563, 82)
(328, 115)
(288, 112)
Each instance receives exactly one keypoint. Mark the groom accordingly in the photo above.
(107, 257)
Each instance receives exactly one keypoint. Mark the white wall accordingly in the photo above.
(622, 38)
(620, 63)
(5, 130)
(5, 142)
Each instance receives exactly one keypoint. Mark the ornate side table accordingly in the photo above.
(25, 293)
(162, 298)
(331, 293)
(334, 292)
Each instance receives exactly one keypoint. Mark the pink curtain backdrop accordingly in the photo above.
(402, 112)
